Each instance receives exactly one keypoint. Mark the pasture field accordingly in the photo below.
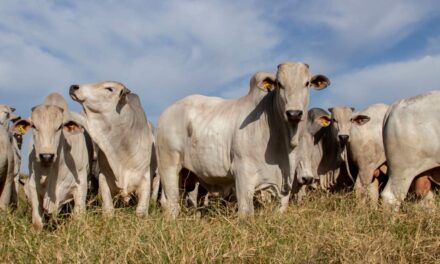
(325, 228)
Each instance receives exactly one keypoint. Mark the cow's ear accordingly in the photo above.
(14, 118)
(72, 127)
(21, 126)
(360, 119)
(319, 82)
(267, 84)
(323, 121)
(12, 109)
(124, 92)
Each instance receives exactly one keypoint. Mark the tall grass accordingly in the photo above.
(325, 228)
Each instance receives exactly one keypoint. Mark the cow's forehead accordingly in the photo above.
(342, 111)
(48, 114)
(113, 84)
(4, 108)
(293, 66)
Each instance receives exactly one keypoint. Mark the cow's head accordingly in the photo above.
(6, 115)
(341, 120)
(293, 81)
(48, 124)
(100, 97)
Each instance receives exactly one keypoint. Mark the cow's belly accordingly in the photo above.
(209, 158)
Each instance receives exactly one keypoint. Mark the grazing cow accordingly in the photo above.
(411, 137)
(118, 125)
(59, 159)
(366, 151)
(249, 143)
(9, 159)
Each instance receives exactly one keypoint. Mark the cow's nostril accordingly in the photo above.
(294, 115)
(343, 138)
(45, 157)
(307, 179)
(74, 87)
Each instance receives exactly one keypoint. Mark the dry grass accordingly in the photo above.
(326, 228)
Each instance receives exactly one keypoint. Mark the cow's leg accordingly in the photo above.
(80, 194)
(301, 193)
(143, 192)
(373, 192)
(169, 168)
(5, 197)
(397, 187)
(191, 197)
(423, 190)
(14, 195)
(106, 195)
(245, 190)
(37, 210)
(155, 189)
(285, 202)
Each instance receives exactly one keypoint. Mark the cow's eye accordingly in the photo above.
(334, 120)
(59, 128)
(33, 127)
(307, 84)
(109, 89)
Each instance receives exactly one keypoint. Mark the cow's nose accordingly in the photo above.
(294, 115)
(45, 157)
(307, 179)
(73, 88)
(343, 139)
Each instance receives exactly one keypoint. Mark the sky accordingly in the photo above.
(375, 51)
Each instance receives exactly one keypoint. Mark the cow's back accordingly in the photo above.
(412, 126)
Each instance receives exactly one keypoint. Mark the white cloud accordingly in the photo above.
(384, 83)
(162, 51)
(357, 25)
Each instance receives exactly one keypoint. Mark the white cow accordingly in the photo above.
(249, 143)
(118, 125)
(366, 151)
(9, 159)
(411, 136)
(59, 160)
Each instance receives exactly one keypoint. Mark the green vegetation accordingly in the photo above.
(326, 228)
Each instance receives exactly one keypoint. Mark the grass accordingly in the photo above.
(326, 228)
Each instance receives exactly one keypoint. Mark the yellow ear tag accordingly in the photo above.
(21, 130)
(267, 85)
(324, 122)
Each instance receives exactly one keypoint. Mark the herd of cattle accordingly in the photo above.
(264, 141)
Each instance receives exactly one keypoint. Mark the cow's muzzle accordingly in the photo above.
(47, 158)
(72, 90)
(294, 116)
(306, 180)
(343, 139)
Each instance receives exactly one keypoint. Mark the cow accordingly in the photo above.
(9, 159)
(59, 159)
(366, 151)
(248, 144)
(411, 137)
(327, 137)
(118, 125)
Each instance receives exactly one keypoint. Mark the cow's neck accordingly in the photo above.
(106, 130)
(284, 139)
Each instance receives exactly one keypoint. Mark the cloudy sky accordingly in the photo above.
(373, 51)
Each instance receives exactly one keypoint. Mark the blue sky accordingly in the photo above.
(373, 51)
